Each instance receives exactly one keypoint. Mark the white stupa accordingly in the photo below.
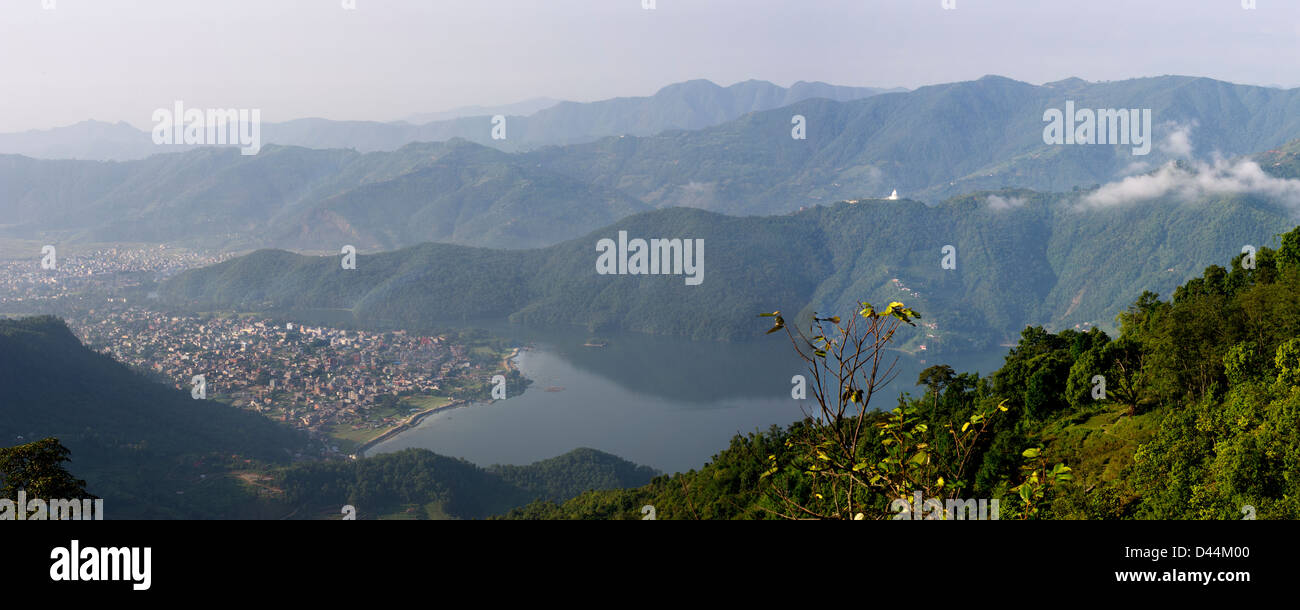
(893, 196)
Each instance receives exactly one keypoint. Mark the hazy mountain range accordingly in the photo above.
(523, 108)
(304, 198)
(930, 144)
(688, 105)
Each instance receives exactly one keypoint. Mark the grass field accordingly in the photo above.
(1102, 441)
(350, 439)
(425, 402)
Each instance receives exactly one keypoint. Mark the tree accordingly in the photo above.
(1127, 364)
(848, 461)
(1288, 255)
(936, 378)
(1287, 362)
(38, 468)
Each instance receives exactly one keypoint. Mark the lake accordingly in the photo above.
(667, 403)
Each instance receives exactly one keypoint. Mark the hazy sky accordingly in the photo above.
(117, 60)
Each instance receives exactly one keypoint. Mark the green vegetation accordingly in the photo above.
(317, 200)
(1200, 419)
(38, 469)
(1045, 262)
(415, 483)
(568, 475)
(425, 403)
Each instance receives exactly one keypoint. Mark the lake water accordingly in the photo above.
(667, 403)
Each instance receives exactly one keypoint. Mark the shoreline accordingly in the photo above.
(508, 362)
(410, 422)
(414, 420)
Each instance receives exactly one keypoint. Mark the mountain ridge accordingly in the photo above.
(1034, 264)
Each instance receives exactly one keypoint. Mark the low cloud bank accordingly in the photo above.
(1195, 181)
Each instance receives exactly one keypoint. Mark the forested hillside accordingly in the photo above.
(1200, 419)
(315, 200)
(417, 483)
(1043, 259)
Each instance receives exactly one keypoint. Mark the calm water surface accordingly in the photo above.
(667, 403)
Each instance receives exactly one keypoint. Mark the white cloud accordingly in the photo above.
(1179, 142)
(1199, 180)
(997, 203)
(1136, 167)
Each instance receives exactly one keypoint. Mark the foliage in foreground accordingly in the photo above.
(1193, 412)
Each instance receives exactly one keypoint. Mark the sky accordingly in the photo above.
(119, 60)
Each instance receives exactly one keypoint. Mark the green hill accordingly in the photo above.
(1047, 261)
(573, 473)
(316, 200)
(416, 483)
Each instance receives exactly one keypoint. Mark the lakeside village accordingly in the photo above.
(346, 388)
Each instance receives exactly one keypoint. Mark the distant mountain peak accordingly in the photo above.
(1067, 83)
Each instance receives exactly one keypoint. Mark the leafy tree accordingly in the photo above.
(851, 461)
(936, 378)
(1287, 362)
(38, 468)
(1125, 362)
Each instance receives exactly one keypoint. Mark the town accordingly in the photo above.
(344, 387)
